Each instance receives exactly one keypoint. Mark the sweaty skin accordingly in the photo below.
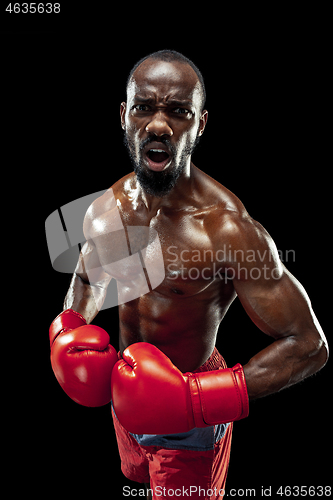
(213, 251)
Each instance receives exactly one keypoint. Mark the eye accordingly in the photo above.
(181, 111)
(141, 107)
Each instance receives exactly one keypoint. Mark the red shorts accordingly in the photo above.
(192, 465)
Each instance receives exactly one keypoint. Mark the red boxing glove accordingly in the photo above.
(151, 396)
(82, 359)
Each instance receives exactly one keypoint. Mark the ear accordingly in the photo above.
(203, 121)
(122, 115)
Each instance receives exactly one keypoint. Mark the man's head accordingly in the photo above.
(163, 118)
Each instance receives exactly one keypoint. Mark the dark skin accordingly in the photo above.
(182, 315)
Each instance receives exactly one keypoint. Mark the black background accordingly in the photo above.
(267, 140)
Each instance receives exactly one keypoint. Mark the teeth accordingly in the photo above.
(157, 150)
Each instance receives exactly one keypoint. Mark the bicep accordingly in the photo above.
(278, 305)
(89, 268)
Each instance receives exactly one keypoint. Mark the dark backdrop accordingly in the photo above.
(266, 140)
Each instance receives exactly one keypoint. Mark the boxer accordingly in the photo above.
(174, 400)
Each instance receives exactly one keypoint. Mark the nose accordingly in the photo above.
(159, 126)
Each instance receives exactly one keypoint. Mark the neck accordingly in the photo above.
(175, 197)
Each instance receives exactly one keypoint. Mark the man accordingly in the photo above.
(173, 398)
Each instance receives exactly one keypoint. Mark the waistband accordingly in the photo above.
(214, 362)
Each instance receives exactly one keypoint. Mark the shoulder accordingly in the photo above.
(242, 231)
(217, 195)
(231, 227)
(246, 244)
(103, 212)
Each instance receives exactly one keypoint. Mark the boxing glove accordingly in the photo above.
(151, 396)
(82, 359)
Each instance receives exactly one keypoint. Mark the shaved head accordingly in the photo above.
(172, 56)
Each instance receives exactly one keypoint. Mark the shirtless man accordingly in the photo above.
(213, 251)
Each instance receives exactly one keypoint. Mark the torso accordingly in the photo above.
(182, 314)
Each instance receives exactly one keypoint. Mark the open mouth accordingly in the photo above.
(157, 157)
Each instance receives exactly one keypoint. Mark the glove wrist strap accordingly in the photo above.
(219, 396)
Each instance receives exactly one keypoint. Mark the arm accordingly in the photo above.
(82, 358)
(278, 304)
(88, 287)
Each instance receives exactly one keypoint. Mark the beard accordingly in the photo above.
(159, 184)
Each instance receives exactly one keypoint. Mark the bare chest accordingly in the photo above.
(171, 253)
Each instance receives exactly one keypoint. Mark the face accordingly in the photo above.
(162, 120)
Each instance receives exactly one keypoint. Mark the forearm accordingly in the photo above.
(282, 364)
(84, 298)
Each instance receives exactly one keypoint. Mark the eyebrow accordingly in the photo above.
(175, 102)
